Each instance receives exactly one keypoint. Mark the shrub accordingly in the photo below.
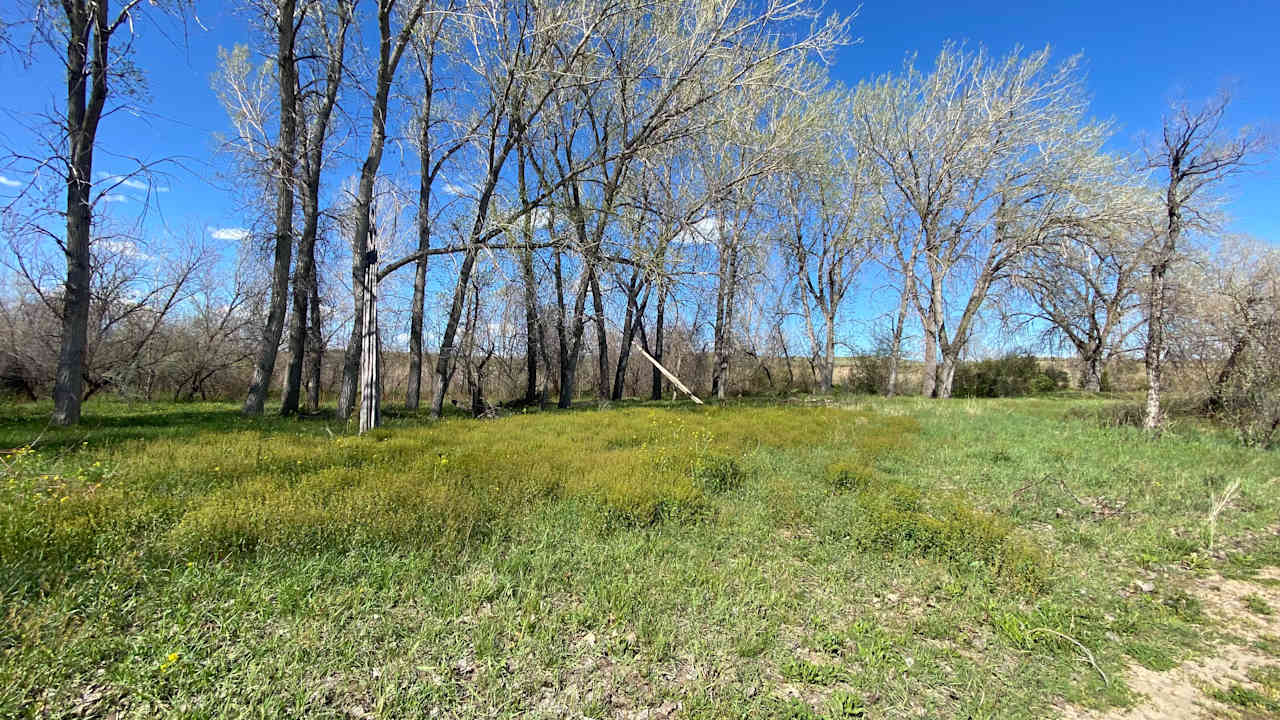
(1013, 375)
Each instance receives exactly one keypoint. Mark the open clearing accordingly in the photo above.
(865, 558)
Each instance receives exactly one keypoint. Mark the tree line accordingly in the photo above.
(576, 179)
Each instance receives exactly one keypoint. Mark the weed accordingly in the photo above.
(1257, 605)
(801, 670)
(1246, 698)
(844, 704)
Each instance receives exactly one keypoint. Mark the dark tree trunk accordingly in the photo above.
(444, 362)
(725, 293)
(659, 328)
(602, 338)
(287, 71)
(86, 25)
(315, 348)
(413, 390)
(1091, 371)
(631, 322)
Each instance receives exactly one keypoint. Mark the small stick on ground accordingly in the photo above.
(1088, 655)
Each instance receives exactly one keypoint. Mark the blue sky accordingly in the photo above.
(1138, 56)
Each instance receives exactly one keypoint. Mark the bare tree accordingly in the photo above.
(1196, 154)
(392, 42)
(94, 43)
(325, 40)
(1087, 290)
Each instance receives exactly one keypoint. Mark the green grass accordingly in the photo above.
(877, 559)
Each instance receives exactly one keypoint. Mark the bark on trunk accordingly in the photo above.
(287, 73)
(659, 329)
(1153, 358)
(602, 338)
(444, 361)
(315, 348)
(1091, 372)
(85, 25)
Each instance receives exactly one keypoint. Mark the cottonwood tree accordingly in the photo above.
(1087, 290)
(251, 118)
(829, 202)
(95, 44)
(992, 157)
(324, 41)
(397, 22)
(1195, 154)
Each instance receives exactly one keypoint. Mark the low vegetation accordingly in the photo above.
(875, 559)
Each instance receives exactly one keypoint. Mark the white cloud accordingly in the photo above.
(116, 198)
(402, 339)
(455, 190)
(9, 182)
(702, 232)
(228, 233)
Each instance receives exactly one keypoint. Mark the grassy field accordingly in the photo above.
(861, 558)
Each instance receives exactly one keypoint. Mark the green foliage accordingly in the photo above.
(895, 518)
(1014, 375)
(801, 670)
(1244, 697)
(1257, 604)
(844, 704)
(717, 473)
(852, 474)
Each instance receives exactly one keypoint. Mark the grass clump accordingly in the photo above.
(1257, 605)
(1246, 698)
(896, 518)
(803, 671)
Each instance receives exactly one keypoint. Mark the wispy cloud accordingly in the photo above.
(132, 183)
(9, 182)
(115, 198)
(125, 248)
(228, 233)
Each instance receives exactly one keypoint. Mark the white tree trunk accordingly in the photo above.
(370, 378)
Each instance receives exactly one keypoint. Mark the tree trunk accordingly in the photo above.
(724, 319)
(930, 379)
(315, 346)
(444, 362)
(84, 111)
(413, 390)
(602, 337)
(659, 329)
(630, 323)
(349, 387)
(532, 328)
(287, 72)
(1091, 372)
(370, 365)
(304, 278)
(1153, 358)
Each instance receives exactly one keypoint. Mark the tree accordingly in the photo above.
(991, 157)
(1196, 155)
(315, 102)
(1087, 290)
(829, 202)
(284, 20)
(391, 48)
(93, 43)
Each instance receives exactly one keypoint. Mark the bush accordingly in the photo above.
(1013, 375)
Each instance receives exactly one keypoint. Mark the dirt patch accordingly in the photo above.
(1182, 693)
